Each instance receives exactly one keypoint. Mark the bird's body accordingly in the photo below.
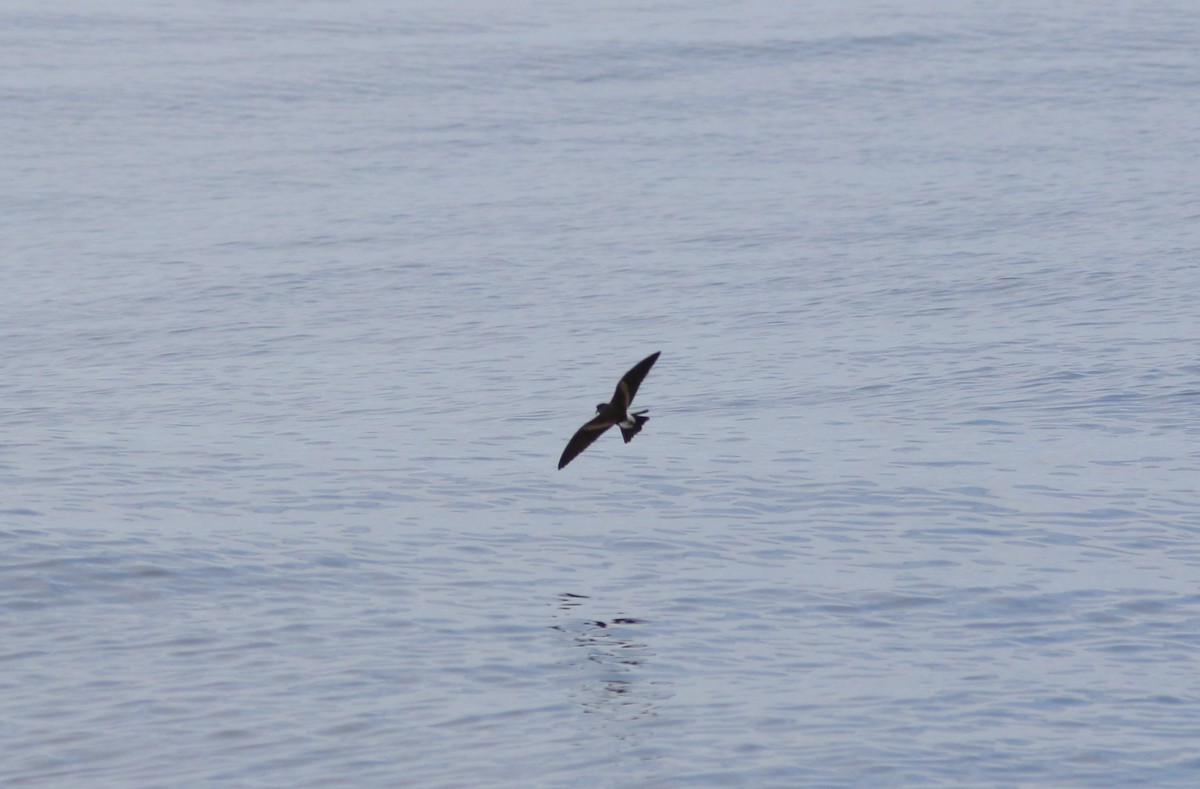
(612, 413)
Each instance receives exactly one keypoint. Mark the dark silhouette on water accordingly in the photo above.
(613, 413)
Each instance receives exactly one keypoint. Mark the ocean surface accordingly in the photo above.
(302, 300)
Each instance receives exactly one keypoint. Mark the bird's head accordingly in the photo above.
(600, 407)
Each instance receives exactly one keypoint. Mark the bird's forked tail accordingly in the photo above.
(639, 419)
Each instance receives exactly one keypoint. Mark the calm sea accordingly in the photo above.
(301, 302)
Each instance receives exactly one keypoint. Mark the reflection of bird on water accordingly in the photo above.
(617, 692)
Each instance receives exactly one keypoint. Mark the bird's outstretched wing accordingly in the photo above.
(628, 385)
(583, 439)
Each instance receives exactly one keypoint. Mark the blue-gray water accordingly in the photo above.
(302, 301)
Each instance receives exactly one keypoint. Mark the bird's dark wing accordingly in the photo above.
(583, 439)
(630, 382)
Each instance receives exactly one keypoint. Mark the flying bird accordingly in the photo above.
(615, 413)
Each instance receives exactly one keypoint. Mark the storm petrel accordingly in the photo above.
(615, 413)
